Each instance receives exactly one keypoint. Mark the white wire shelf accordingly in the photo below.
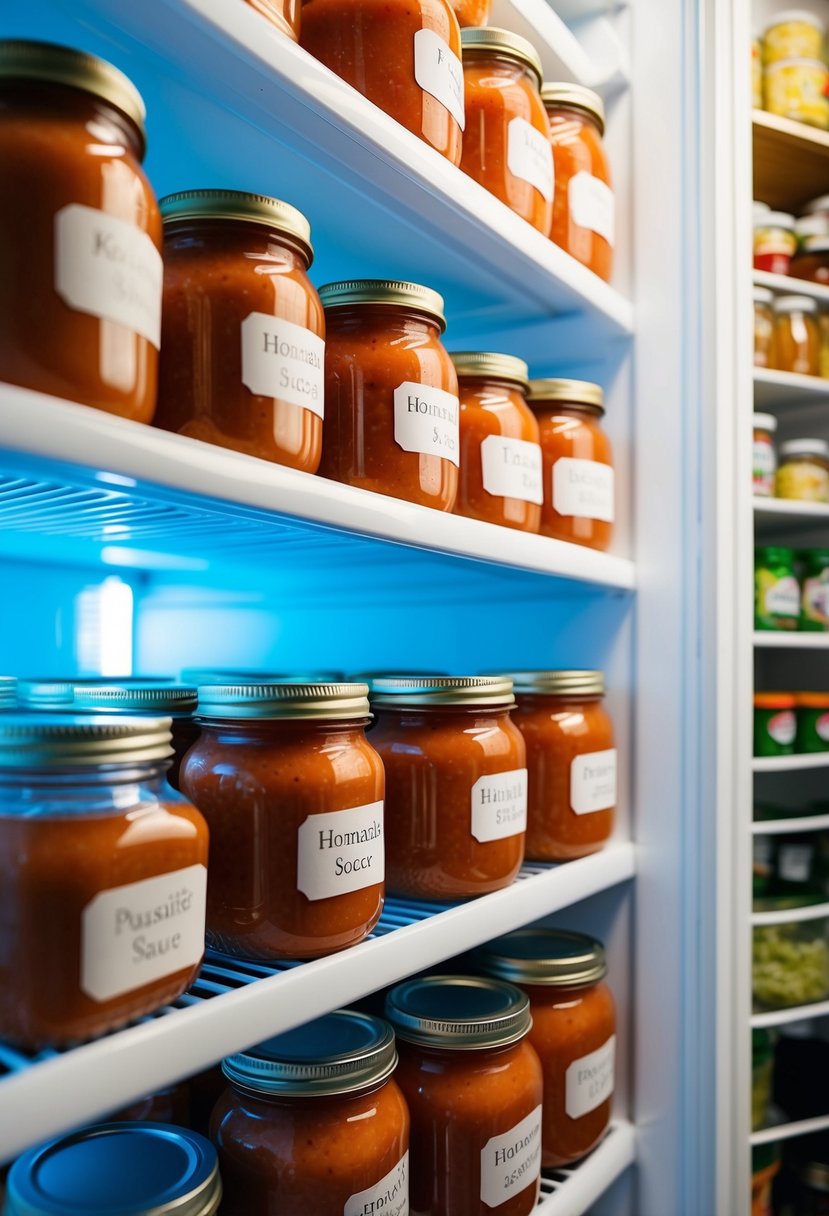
(786, 916)
(234, 1004)
(796, 640)
(773, 390)
(799, 823)
(789, 764)
(786, 285)
(786, 1131)
(782, 1017)
(571, 1192)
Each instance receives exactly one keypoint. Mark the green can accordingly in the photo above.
(814, 589)
(774, 724)
(776, 589)
(812, 722)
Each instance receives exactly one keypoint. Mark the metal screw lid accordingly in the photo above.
(574, 392)
(764, 422)
(773, 219)
(48, 61)
(154, 696)
(383, 291)
(816, 244)
(8, 692)
(559, 683)
(575, 97)
(816, 205)
(282, 700)
(795, 304)
(41, 740)
(479, 41)
(393, 691)
(239, 205)
(335, 1054)
(458, 1012)
(485, 365)
(544, 956)
(805, 447)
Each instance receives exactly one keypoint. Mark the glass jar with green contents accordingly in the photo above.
(790, 958)
(762, 1059)
(814, 589)
(776, 589)
(774, 723)
(812, 711)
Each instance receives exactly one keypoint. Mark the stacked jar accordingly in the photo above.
(795, 76)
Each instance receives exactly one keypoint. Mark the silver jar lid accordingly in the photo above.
(458, 1012)
(159, 697)
(804, 448)
(335, 1054)
(392, 691)
(282, 700)
(559, 683)
(40, 740)
(8, 692)
(545, 956)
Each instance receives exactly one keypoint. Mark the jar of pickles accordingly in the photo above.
(814, 583)
(812, 712)
(775, 724)
(796, 345)
(764, 459)
(774, 241)
(776, 589)
(803, 472)
(763, 327)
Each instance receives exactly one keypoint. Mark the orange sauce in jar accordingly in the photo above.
(473, 1085)
(404, 55)
(102, 876)
(284, 14)
(571, 762)
(243, 329)
(573, 1032)
(506, 145)
(500, 473)
(391, 393)
(313, 1123)
(80, 232)
(579, 479)
(293, 794)
(796, 342)
(456, 784)
(584, 210)
(472, 12)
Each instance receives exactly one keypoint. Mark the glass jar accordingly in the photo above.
(242, 356)
(571, 762)
(775, 724)
(814, 582)
(763, 327)
(764, 459)
(796, 89)
(8, 692)
(80, 233)
(102, 876)
(404, 55)
(584, 209)
(472, 12)
(456, 784)
(292, 792)
(774, 241)
(168, 1105)
(506, 143)
(793, 34)
(762, 1060)
(790, 958)
(811, 262)
(807, 227)
(473, 1085)
(573, 1032)
(797, 863)
(803, 472)
(776, 589)
(391, 393)
(313, 1123)
(284, 14)
(500, 470)
(578, 462)
(144, 1169)
(812, 722)
(796, 345)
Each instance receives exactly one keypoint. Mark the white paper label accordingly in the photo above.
(592, 205)
(593, 781)
(794, 863)
(340, 851)
(283, 360)
(389, 1197)
(530, 156)
(512, 468)
(499, 805)
(108, 268)
(136, 934)
(426, 420)
(589, 1081)
(512, 1162)
(439, 72)
(783, 599)
(583, 488)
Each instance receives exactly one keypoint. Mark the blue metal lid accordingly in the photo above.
(140, 694)
(117, 1169)
(8, 692)
(458, 1012)
(335, 1054)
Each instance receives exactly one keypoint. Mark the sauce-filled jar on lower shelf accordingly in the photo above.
(473, 1085)
(391, 392)
(796, 346)
(80, 232)
(456, 784)
(573, 1031)
(313, 1123)
(242, 356)
(102, 876)
(292, 792)
(500, 471)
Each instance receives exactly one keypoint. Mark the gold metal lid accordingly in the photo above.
(25, 60)
(177, 700)
(383, 291)
(559, 683)
(490, 366)
(394, 691)
(39, 740)
(575, 97)
(574, 392)
(458, 1012)
(544, 956)
(491, 40)
(282, 700)
(238, 205)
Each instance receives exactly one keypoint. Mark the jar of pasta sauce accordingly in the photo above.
(584, 209)
(456, 784)
(764, 457)
(796, 345)
(579, 489)
(102, 922)
(471, 12)
(80, 233)
(506, 145)
(403, 56)
(571, 762)
(314, 1123)
(573, 1032)
(500, 471)
(284, 14)
(473, 1085)
(293, 795)
(243, 330)
(391, 392)
(774, 241)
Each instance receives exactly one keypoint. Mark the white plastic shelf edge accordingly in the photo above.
(790, 506)
(799, 823)
(797, 1013)
(774, 389)
(788, 915)
(790, 641)
(573, 1192)
(786, 285)
(785, 764)
(786, 1131)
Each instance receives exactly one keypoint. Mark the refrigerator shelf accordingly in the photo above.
(235, 1004)
(785, 1131)
(786, 916)
(797, 1013)
(780, 640)
(128, 493)
(785, 764)
(790, 508)
(571, 1192)
(802, 823)
(791, 161)
(784, 284)
(775, 390)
